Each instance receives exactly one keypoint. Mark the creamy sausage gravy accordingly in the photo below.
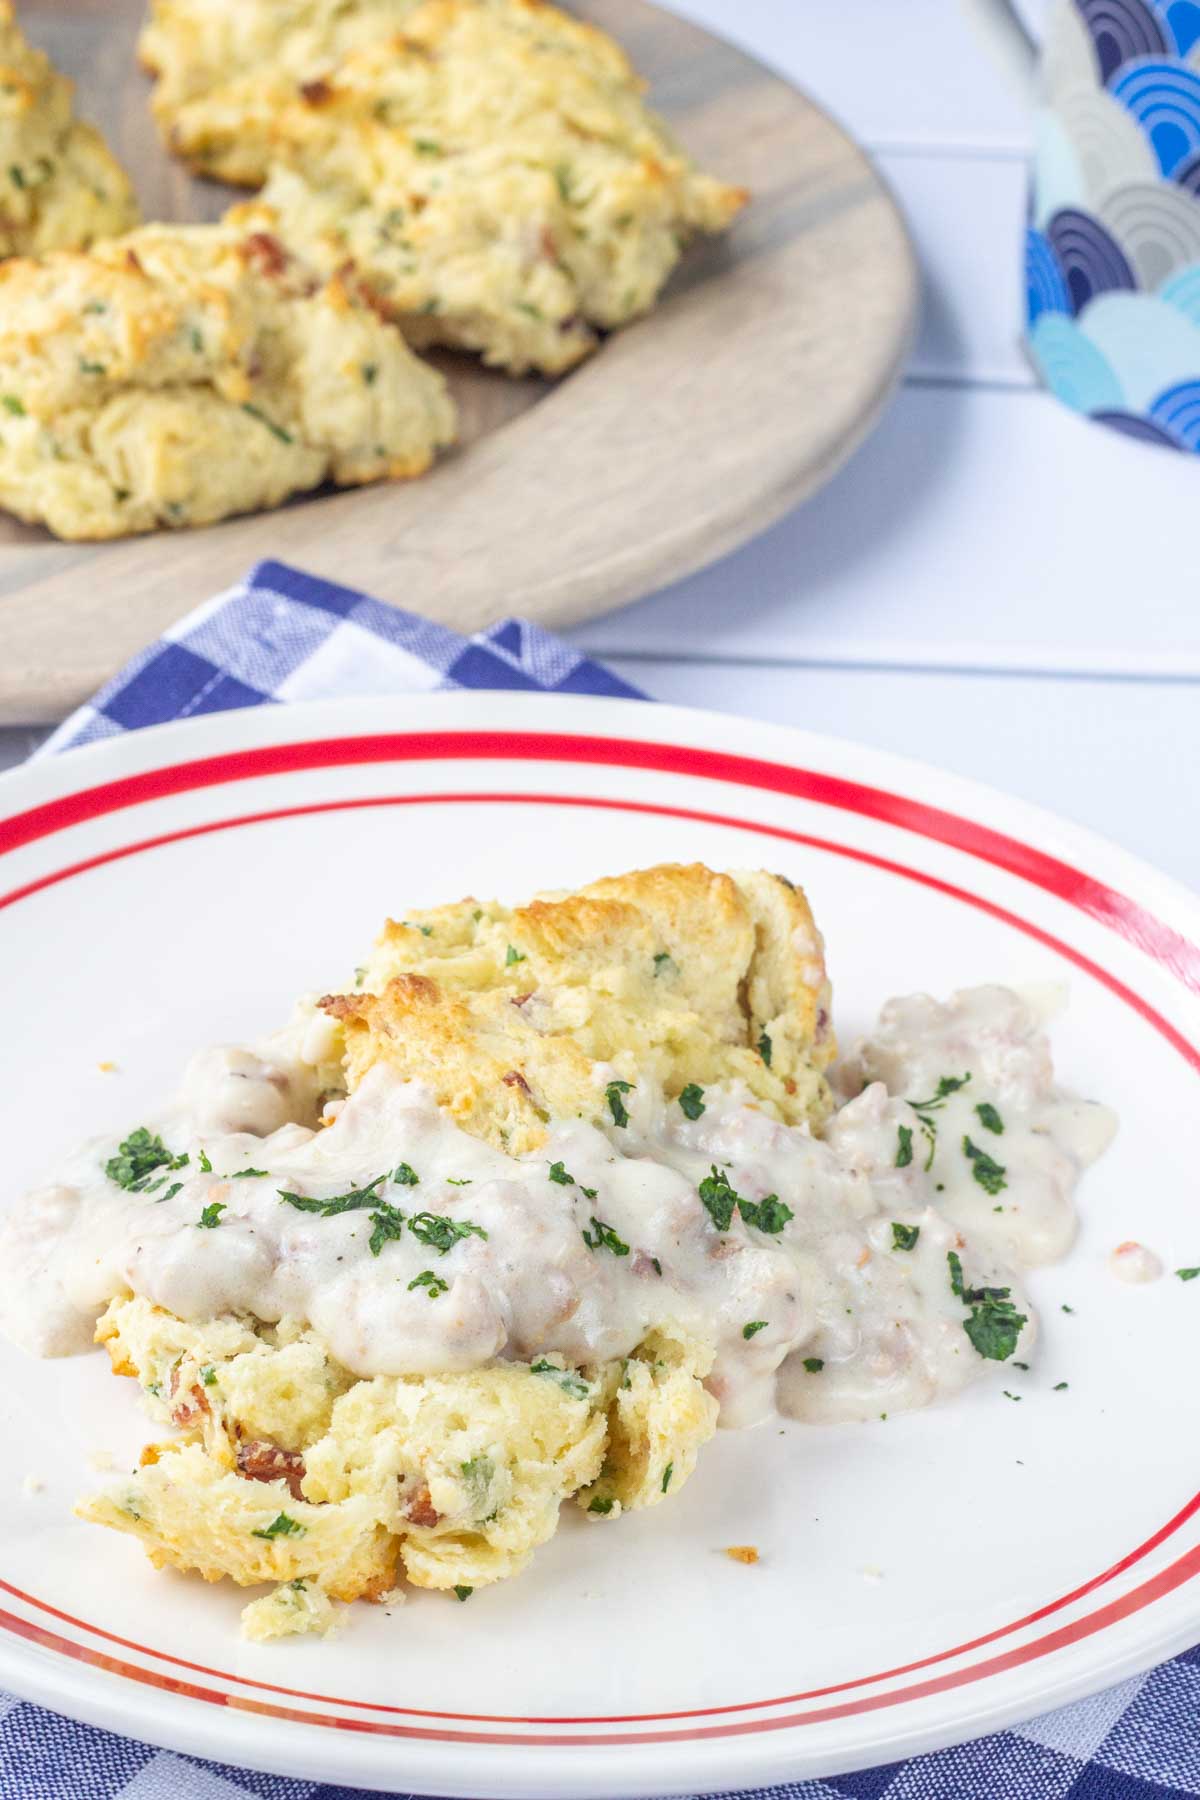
(866, 1271)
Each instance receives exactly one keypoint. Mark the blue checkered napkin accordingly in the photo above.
(285, 636)
(282, 635)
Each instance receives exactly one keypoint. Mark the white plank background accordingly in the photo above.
(992, 584)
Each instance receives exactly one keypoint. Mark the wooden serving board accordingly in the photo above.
(768, 360)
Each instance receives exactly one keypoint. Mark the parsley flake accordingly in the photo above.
(665, 964)
(994, 1325)
(691, 1100)
(210, 1218)
(176, 1187)
(432, 1283)
(601, 1506)
(989, 1174)
(404, 1175)
(355, 1200)
(754, 1325)
(1187, 1274)
(903, 1146)
(989, 1118)
(769, 1214)
(603, 1237)
(462, 1591)
(764, 1048)
(512, 955)
(718, 1198)
(558, 1173)
(137, 1157)
(574, 1386)
(283, 1525)
(256, 412)
(814, 1364)
(904, 1237)
(667, 1474)
(442, 1233)
(388, 1223)
(616, 1105)
(205, 1165)
(1059, 1386)
(247, 1175)
(208, 1375)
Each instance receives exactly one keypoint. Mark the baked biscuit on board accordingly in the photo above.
(491, 169)
(183, 373)
(62, 187)
(670, 975)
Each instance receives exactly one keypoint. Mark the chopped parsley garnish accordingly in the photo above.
(754, 1325)
(513, 955)
(571, 1384)
(137, 1158)
(1059, 1386)
(283, 1525)
(426, 146)
(359, 976)
(176, 1187)
(558, 1172)
(764, 1048)
(562, 176)
(719, 1199)
(208, 1375)
(1009, 1396)
(924, 1109)
(442, 1233)
(247, 1174)
(387, 1224)
(435, 1286)
(91, 368)
(769, 1214)
(462, 1591)
(1024, 1366)
(589, 1193)
(667, 1474)
(369, 373)
(665, 964)
(1187, 1274)
(989, 1174)
(691, 1100)
(903, 1146)
(814, 1364)
(904, 1237)
(1067, 1309)
(425, 930)
(949, 1084)
(616, 1105)
(601, 1506)
(256, 412)
(989, 1118)
(210, 1218)
(355, 1200)
(404, 1175)
(205, 1165)
(603, 1237)
(458, 1181)
(994, 1325)
(14, 406)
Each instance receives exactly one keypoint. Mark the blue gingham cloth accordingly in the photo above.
(285, 636)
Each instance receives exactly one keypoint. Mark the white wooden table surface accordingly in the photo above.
(992, 584)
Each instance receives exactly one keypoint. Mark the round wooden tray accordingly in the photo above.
(768, 360)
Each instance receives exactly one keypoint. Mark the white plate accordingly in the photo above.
(923, 1579)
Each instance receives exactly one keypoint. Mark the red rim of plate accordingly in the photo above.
(1117, 912)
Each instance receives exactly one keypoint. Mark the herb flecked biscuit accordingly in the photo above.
(287, 1469)
(668, 975)
(492, 171)
(62, 187)
(183, 373)
(216, 61)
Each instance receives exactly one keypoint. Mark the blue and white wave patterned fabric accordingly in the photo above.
(283, 636)
(1112, 255)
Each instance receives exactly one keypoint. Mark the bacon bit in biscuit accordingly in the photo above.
(316, 93)
(258, 1460)
(743, 1553)
(194, 1402)
(265, 252)
(514, 1078)
(789, 1086)
(420, 1509)
(520, 999)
